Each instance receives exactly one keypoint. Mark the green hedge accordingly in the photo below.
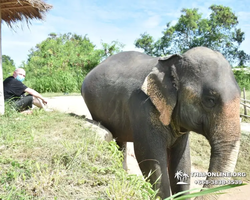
(242, 76)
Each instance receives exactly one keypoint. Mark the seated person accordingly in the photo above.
(14, 92)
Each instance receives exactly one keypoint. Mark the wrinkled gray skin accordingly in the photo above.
(155, 102)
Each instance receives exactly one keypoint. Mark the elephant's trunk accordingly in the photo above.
(220, 162)
(223, 159)
(225, 144)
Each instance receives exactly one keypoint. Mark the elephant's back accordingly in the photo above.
(122, 72)
(124, 66)
(107, 88)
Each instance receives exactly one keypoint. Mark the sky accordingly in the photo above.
(111, 20)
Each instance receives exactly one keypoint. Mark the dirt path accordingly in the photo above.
(75, 104)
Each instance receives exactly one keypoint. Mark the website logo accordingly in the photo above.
(181, 177)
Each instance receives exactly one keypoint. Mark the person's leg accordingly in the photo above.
(23, 103)
(38, 102)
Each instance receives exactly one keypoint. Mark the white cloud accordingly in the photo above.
(243, 16)
(17, 43)
(152, 22)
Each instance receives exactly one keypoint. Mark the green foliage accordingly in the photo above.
(218, 32)
(242, 77)
(60, 63)
(146, 43)
(8, 66)
(112, 48)
(61, 81)
(204, 192)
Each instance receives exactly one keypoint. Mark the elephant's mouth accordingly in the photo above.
(197, 126)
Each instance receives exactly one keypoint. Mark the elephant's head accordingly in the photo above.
(198, 92)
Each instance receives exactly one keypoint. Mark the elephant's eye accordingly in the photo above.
(209, 102)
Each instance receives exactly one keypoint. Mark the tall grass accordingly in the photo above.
(53, 156)
(59, 81)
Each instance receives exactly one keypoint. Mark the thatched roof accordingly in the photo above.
(18, 10)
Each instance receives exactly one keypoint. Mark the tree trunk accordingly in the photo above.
(1, 71)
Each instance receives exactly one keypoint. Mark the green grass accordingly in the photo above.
(53, 156)
(204, 192)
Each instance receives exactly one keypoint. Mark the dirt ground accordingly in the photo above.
(75, 104)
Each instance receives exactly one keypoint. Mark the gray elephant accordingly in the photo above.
(155, 102)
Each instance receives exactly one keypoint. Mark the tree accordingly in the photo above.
(112, 48)
(8, 66)
(60, 63)
(178, 174)
(218, 32)
(146, 42)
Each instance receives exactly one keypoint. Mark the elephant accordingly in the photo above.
(156, 101)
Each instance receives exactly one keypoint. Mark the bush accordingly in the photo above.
(65, 82)
(242, 76)
(60, 63)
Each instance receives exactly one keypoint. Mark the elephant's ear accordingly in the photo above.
(161, 86)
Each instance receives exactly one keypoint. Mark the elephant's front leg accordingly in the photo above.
(179, 160)
(151, 154)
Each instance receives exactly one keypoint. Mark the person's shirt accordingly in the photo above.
(13, 89)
